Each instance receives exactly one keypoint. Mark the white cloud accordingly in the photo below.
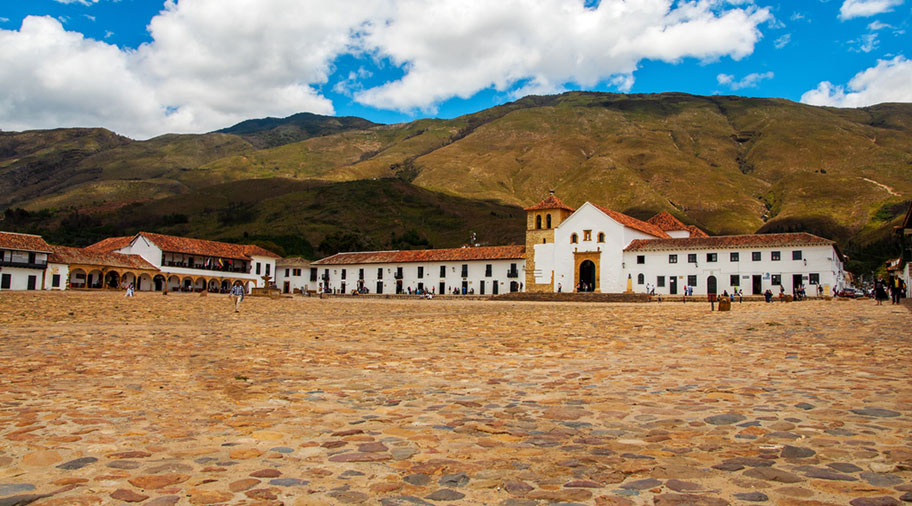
(866, 8)
(83, 2)
(456, 48)
(888, 81)
(783, 41)
(748, 81)
(211, 63)
(877, 25)
(866, 43)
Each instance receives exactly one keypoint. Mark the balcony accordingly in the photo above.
(398, 275)
(23, 265)
(213, 267)
(513, 273)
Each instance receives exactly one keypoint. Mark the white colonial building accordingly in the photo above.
(23, 261)
(480, 270)
(186, 264)
(597, 249)
(294, 275)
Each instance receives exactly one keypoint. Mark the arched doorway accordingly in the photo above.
(587, 276)
(186, 285)
(173, 283)
(711, 285)
(95, 279)
(226, 285)
(213, 285)
(77, 278)
(144, 283)
(158, 282)
(112, 279)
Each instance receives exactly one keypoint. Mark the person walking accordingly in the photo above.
(880, 291)
(236, 295)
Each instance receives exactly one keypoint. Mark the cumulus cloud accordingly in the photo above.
(456, 48)
(866, 8)
(748, 81)
(211, 63)
(888, 81)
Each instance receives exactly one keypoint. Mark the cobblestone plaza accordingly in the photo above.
(162, 400)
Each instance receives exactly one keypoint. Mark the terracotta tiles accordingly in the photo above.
(551, 202)
(629, 221)
(23, 242)
(514, 252)
(729, 241)
(111, 244)
(84, 256)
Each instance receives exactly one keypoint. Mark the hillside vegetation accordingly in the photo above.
(727, 164)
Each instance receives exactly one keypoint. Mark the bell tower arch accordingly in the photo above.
(541, 221)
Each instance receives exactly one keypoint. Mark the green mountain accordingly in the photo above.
(727, 164)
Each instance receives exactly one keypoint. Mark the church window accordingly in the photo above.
(574, 238)
(587, 235)
(548, 221)
(641, 278)
(538, 221)
(601, 237)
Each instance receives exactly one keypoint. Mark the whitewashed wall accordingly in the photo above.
(431, 279)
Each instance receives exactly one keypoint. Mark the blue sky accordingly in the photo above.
(147, 67)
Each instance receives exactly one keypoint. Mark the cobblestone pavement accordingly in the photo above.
(179, 400)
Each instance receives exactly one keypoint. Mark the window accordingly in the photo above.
(641, 278)
(258, 267)
(55, 281)
(268, 268)
(775, 255)
(796, 255)
(691, 258)
(313, 274)
(420, 272)
(601, 237)
(488, 269)
(813, 278)
(574, 238)
(296, 272)
(587, 235)
(777, 279)
(672, 259)
(734, 280)
(361, 274)
(6, 281)
(465, 270)
(398, 272)
(548, 221)
(691, 280)
(442, 272)
(641, 259)
(712, 257)
(538, 221)
(755, 256)
(287, 272)
(343, 273)
(380, 273)
(660, 281)
(734, 256)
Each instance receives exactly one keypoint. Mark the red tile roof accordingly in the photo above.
(730, 241)
(292, 262)
(513, 252)
(631, 222)
(23, 242)
(696, 232)
(111, 244)
(85, 256)
(667, 222)
(551, 202)
(186, 245)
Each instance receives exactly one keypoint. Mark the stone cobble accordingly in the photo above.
(172, 400)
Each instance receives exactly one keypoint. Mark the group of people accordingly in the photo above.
(895, 288)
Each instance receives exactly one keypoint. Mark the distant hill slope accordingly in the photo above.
(272, 132)
(727, 164)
